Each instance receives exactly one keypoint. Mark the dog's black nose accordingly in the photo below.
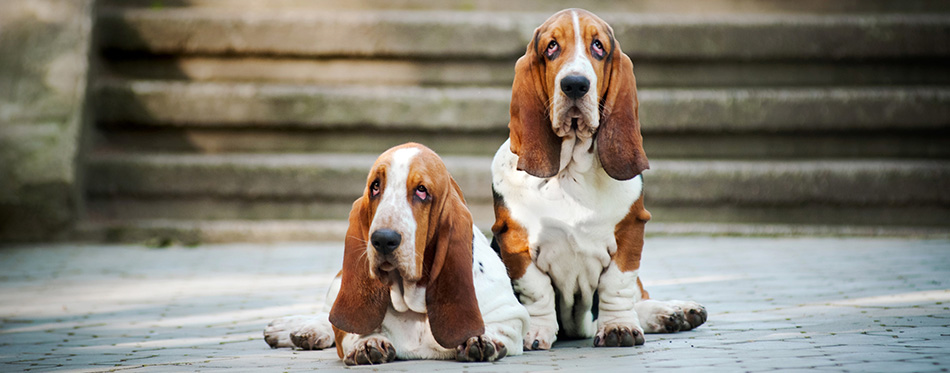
(385, 240)
(575, 86)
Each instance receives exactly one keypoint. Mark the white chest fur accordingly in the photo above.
(570, 220)
(580, 205)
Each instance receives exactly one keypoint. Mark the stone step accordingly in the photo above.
(317, 178)
(642, 6)
(465, 109)
(500, 73)
(807, 145)
(162, 233)
(504, 35)
(124, 208)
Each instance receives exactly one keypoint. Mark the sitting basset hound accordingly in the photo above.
(569, 213)
(419, 280)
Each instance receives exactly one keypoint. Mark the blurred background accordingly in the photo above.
(191, 121)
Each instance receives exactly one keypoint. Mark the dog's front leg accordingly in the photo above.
(617, 321)
(536, 293)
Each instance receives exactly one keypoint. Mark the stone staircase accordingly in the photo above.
(223, 120)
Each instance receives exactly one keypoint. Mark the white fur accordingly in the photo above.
(571, 215)
(655, 315)
(537, 294)
(506, 320)
(619, 293)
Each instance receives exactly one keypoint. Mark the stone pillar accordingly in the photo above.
(45, 50)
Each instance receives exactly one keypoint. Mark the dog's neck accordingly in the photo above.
(578, 156)
(408, 296)
(579, 170)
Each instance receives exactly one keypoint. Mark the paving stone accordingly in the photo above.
(811, 304)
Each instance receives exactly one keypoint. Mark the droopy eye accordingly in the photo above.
(597, 49)
(422, 192)
(552, 48)
(374, 187)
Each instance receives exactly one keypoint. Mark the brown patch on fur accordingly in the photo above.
(629, 235)
(532, 138)
(444, 234)
(512, 240)
(619, 142)
(362, 302)
(338, 337)
(452, 307)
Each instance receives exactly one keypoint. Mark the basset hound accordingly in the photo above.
(419, 280)
(568, 191)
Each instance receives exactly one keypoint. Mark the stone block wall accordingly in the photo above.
(44, 62)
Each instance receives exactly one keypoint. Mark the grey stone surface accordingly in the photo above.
(145, 229)
(462, 34)
(775, 304)
(646, 6)
(44, 47)
(342, 177)
(473, 72)
(714, 145)
(274, 105)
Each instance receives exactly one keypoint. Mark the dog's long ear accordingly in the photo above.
(362, 302)
(451, 305)
(619, 143)
(532, 138)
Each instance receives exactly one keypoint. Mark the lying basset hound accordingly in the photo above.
(419, 280)
(569, 213)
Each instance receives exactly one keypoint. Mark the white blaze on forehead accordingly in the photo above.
(399, 169)
(394, 211)
(578, 41)
(587, 105)
(394, 205)
(580, 63)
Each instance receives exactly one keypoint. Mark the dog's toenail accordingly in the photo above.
(536, 344)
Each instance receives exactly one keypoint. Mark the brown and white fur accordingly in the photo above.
(569, 213)
(419, 280)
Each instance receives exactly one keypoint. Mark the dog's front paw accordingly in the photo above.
(661, 317)
(539, 337)
(373, 350)
(480, 348)
(671, 316)
(694, 314)
(276, 335)
(312, 337)
(618, 335)
(278, 332)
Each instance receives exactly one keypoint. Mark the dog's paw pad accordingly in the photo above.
(480, 348)
(618, 336)
(371, 351)
(307, 338)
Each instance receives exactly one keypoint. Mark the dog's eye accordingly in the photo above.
(597, 49)
(374, 187)
(422, 192)
(552, 48)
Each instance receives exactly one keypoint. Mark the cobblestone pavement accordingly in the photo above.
(816, 304)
